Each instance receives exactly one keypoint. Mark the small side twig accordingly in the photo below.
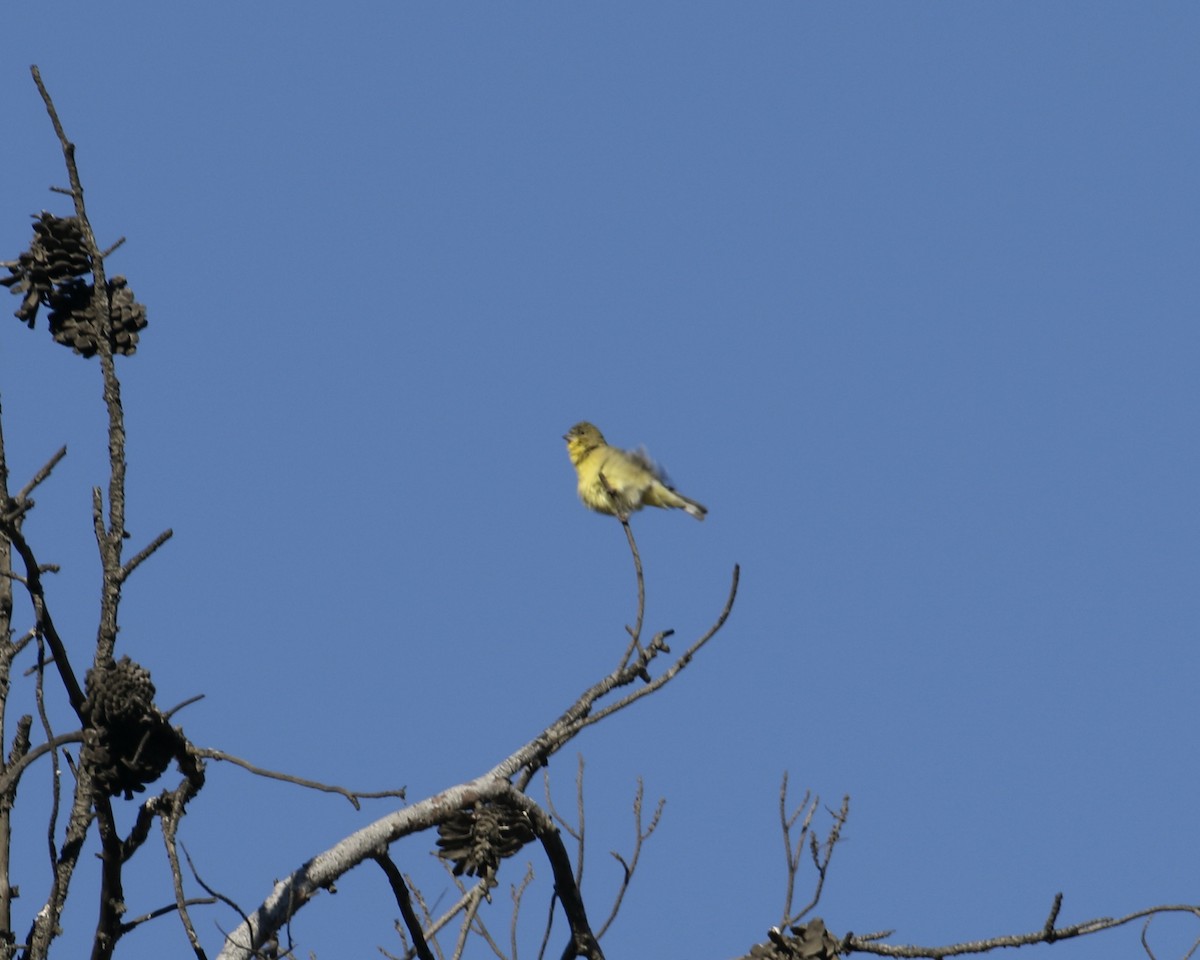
(134, 562)
(641, 835)
(165, 911)
(1052, 919)
(433, 927)
(518, 895)
(216, 894)
(820, 852)
(42, 474)
(105, 254)
(354, 796)
(792, 848)
(471, 916)
(183, 703)
(576, 833)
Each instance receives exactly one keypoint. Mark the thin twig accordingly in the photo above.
(663, 678)
(822, 854)
(42, 474)
(352, 795)
(228, 901)
(164, 911)
(518, 895)
(581, 819)
(105, 254)
(476, 892)
(183, 703)
(1145, 942)
(170, 825)
(551, 909)
(16, 767)
(473, 922)
(630, 867)
(145, 553)
(550, 806)
(791, 849)
(469, 918)
(635, 632)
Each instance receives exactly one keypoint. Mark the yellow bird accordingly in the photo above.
(617, 481)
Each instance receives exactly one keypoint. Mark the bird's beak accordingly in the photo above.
(566, 436)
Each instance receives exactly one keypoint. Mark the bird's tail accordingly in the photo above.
(662, 493)
(668, 497)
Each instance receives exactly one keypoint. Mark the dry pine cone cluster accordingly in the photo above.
(476, 839)
(810, 941)
(50, 273)
(128, 742)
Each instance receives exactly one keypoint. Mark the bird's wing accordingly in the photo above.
(641, 457)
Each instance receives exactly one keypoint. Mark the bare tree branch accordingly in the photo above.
(404, 902)
(292, 893)
(42, 617)
(1048, 933)
(17, 765)
(111, 540)
(171, 812)
(583, 942)
(671, 672)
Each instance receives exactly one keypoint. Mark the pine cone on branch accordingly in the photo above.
(477, 838)
(56, 255)
(50, 273)
(128, 742)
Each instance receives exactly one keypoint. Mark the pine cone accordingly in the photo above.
(73, 319)
(477, 838)
(56, 255)
(810, 941)
(128, 743)
(49, 273)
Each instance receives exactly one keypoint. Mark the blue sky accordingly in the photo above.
(906, 294)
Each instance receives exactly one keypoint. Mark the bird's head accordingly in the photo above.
(582, 439)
